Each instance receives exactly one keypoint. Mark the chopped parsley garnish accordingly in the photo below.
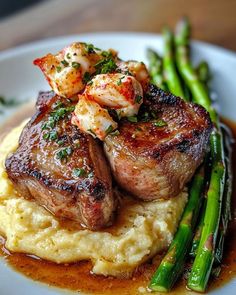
(106, 54)
(52, 135)
(65, 63)
(58, 68)
(132, 119)
(160, 123)
(90, 48)
(79, 172)
(91, 174)
(109, 129)
(56, 115)
(75, 65)
(68, 55)
(60, 113)
(64, 153)
(86, 77)
(106, 65)
(120, 80)
(57, 104)
(128, 73)
(60, 142)
(138, 99)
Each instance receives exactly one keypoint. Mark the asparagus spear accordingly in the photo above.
(198, 232)
(226, 205)
(203, 72)
(169, 69)
(205, 75)
(202, 265)
(172, 264)
(155, 69)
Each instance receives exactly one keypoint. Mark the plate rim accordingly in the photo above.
(44, 42)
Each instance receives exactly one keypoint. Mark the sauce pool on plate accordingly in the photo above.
(78, 276)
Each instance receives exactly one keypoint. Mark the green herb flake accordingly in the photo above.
(65, 63)
(160, 123)
(86, 77)
(105, 66)
(132, 119)
(106, 54)
(46, 136)
(90, 48)
(109, 129)
(91, 174)
(57, 105)
(57, 115)
(128, 73)
(58, 68)
(138, 99)
(78, 172)
(120, 81)
(60, 142)
(64, 153)
(44, 126)
(75, 65)
(52, 135)
(68, 55)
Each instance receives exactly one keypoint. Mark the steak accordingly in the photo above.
(157, 155)
(60, 167)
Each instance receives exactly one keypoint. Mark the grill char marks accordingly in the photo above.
(61, 168)
(156, 157)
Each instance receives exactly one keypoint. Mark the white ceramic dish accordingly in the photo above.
(21, 80)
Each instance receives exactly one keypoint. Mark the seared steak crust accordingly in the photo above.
(155, 157)
(61, 168)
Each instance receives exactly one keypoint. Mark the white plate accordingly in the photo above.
(21, 80)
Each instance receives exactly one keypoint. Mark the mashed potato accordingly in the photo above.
(146, 229)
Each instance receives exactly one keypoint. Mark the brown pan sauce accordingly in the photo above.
(78, 277)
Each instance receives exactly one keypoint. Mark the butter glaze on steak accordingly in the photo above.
(154, 162)
(39, 171)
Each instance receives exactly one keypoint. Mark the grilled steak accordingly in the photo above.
(63, 169)
(155, 157)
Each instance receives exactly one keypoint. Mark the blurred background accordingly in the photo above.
(23, 21)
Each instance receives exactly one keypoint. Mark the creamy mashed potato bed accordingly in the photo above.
(147, 228)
